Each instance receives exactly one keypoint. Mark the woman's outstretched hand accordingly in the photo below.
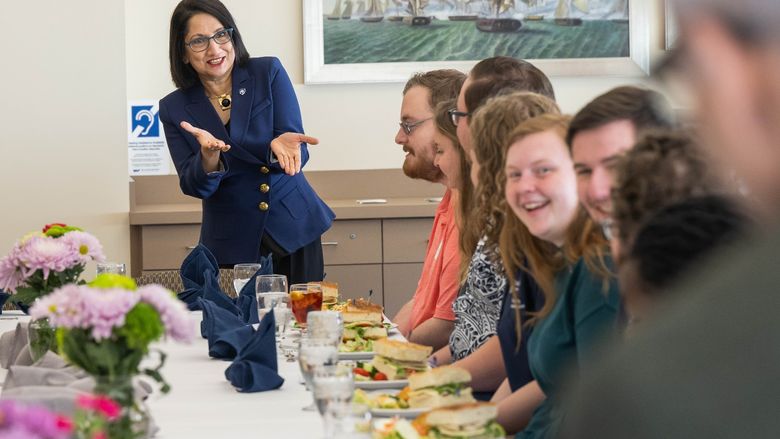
(287, 149)
(210, 146)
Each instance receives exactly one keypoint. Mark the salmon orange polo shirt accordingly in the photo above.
(439, 281)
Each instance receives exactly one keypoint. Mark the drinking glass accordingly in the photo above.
(111, 267)
(333, 387)
(305, 298)
(325, 324)
(242, 273)
(313, 353)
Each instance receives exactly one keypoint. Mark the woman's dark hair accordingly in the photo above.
(679, 236)
(183, 75)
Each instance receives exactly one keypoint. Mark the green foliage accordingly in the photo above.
(142, 326)
(57, 230)
(112, 280)
(38, 286)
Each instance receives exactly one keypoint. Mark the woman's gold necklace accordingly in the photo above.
(224, 101)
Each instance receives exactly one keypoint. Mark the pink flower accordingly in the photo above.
(173, 312)
(11, 274)
(85, 245)
(47, 254)
(108, 407)
(100, 435)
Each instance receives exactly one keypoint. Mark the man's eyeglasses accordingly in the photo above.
(199, 44)
(456, 116)
(408, 127)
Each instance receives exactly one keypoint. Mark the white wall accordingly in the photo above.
(62, 120)
(356, 124)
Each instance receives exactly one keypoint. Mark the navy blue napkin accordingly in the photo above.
(197, 268)
(3, 297)
(247, 305)
(255, 368)
(194, 266)
(225, 331)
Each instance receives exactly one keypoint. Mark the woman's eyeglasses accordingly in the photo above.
(199, 44)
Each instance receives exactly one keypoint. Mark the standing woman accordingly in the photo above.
(232, 128)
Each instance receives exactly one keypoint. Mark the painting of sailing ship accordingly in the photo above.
(357, 32)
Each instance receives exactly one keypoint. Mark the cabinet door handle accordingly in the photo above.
(330, 243)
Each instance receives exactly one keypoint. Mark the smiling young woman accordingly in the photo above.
(580, 303)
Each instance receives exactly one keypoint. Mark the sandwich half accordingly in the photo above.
(476, 420)
(399, 359)
(440, 387)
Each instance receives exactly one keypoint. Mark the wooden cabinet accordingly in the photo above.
(405, 240)
(382, 255)
(400, 283)
(166, 246)
(353, 242)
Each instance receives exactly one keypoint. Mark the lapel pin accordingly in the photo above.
(242, 91)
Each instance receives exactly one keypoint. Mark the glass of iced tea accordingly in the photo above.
(305, 298)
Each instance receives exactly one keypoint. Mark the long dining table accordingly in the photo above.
(203, 404)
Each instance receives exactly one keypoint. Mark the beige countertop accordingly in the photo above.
(190, 213)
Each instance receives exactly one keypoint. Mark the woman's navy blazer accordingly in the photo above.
(252, 195)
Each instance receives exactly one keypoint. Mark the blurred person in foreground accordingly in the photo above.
(428, 318)
(707, 367)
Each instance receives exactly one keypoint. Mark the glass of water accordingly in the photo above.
(333, 387)
(111, 267)
(325, 324)
(314, 353)
(242, 273)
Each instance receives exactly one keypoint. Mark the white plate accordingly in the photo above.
(386, 384)
(402, 413)
(356, 356)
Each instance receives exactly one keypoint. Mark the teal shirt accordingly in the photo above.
(562, 343)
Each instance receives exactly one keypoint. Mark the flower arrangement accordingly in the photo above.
(42, 261)
(19, 421)
(94, 414)
(106, 327)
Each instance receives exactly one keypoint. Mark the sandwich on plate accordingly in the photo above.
(440, 387)
(330, 294)
(476, 420)
(362, 324)
(399, 359)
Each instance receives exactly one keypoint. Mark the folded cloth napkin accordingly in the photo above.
(197, 268)
(14, 348)
(225, 331)
(194, 266)
(255, 368)
(248, 307)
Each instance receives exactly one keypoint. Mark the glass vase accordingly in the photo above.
(133, 421)
(42, 337)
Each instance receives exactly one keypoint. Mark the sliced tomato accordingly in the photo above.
(379, 376)
(359, 371)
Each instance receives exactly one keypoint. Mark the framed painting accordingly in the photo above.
(360, 41)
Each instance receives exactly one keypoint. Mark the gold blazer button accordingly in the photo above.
(265, 170)
(263, 206)
(264, 188)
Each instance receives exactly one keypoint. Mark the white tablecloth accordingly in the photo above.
(203, 404)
